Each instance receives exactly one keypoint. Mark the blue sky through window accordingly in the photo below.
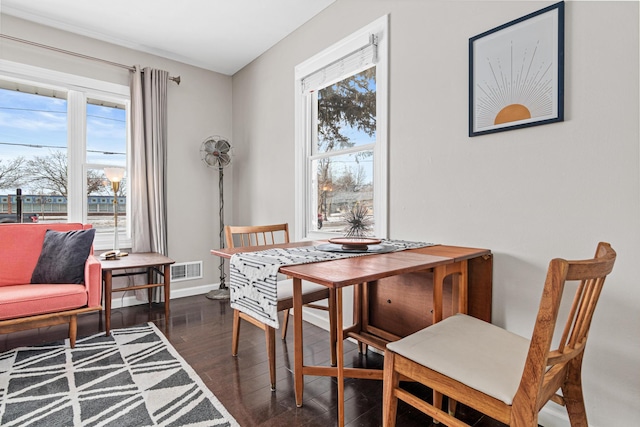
(29, 124)
(35, 125)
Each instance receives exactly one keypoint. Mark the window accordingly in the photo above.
(57, 134)
(341, 134)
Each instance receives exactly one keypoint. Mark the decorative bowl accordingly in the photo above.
(354, 243)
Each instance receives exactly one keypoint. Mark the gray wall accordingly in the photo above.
(529, 195)
(199, 107)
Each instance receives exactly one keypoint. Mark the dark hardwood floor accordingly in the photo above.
(200, 329)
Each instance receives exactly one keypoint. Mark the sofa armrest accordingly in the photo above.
(93, 281)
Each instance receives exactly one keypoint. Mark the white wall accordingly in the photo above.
(529, 195)
(199, 107)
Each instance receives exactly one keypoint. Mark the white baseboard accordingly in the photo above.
(128, 299)
(316, 317)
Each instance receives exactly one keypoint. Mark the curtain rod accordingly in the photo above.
(79, 55)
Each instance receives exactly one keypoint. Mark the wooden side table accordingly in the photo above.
(152, 262)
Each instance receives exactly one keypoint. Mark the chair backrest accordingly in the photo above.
(546, 369)
(20, 248)
(256, 235)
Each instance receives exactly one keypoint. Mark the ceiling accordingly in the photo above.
(218, 35)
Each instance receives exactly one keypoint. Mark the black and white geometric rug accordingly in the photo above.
(132, 378)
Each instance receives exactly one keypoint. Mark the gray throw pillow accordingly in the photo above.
(63, 257)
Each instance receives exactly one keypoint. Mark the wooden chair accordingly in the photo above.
(239, 236)
(500, 374)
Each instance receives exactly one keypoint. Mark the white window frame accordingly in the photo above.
(304, 127)
(78, 89)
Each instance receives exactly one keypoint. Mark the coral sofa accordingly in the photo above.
(27, 300)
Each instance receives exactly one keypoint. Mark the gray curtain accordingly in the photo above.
(149, 162)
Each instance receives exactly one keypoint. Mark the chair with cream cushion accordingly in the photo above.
(260, 235)
(496, 372)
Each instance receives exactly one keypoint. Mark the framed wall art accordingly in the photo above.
(516, 73)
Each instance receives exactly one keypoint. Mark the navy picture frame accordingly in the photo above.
(516, 73)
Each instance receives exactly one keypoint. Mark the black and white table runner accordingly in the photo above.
(254, 275)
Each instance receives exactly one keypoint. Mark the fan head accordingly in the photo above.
(215, 152)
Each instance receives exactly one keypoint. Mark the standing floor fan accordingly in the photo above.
(215, 153)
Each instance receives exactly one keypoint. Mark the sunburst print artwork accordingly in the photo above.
(516, 73)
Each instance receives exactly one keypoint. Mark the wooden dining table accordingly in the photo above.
(438, 262)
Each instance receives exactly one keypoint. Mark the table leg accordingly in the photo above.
(358, 293)
(439, 273)
(463, 287)
(166, 274)
(107, 276)
(340, 357)
(297, 341)
(459, 304)
(333, 333)
(459, 294)
(149, 281)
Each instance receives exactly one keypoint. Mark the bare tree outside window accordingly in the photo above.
(346, 121)
(11, 173)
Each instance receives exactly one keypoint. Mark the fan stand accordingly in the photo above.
(223, 291)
